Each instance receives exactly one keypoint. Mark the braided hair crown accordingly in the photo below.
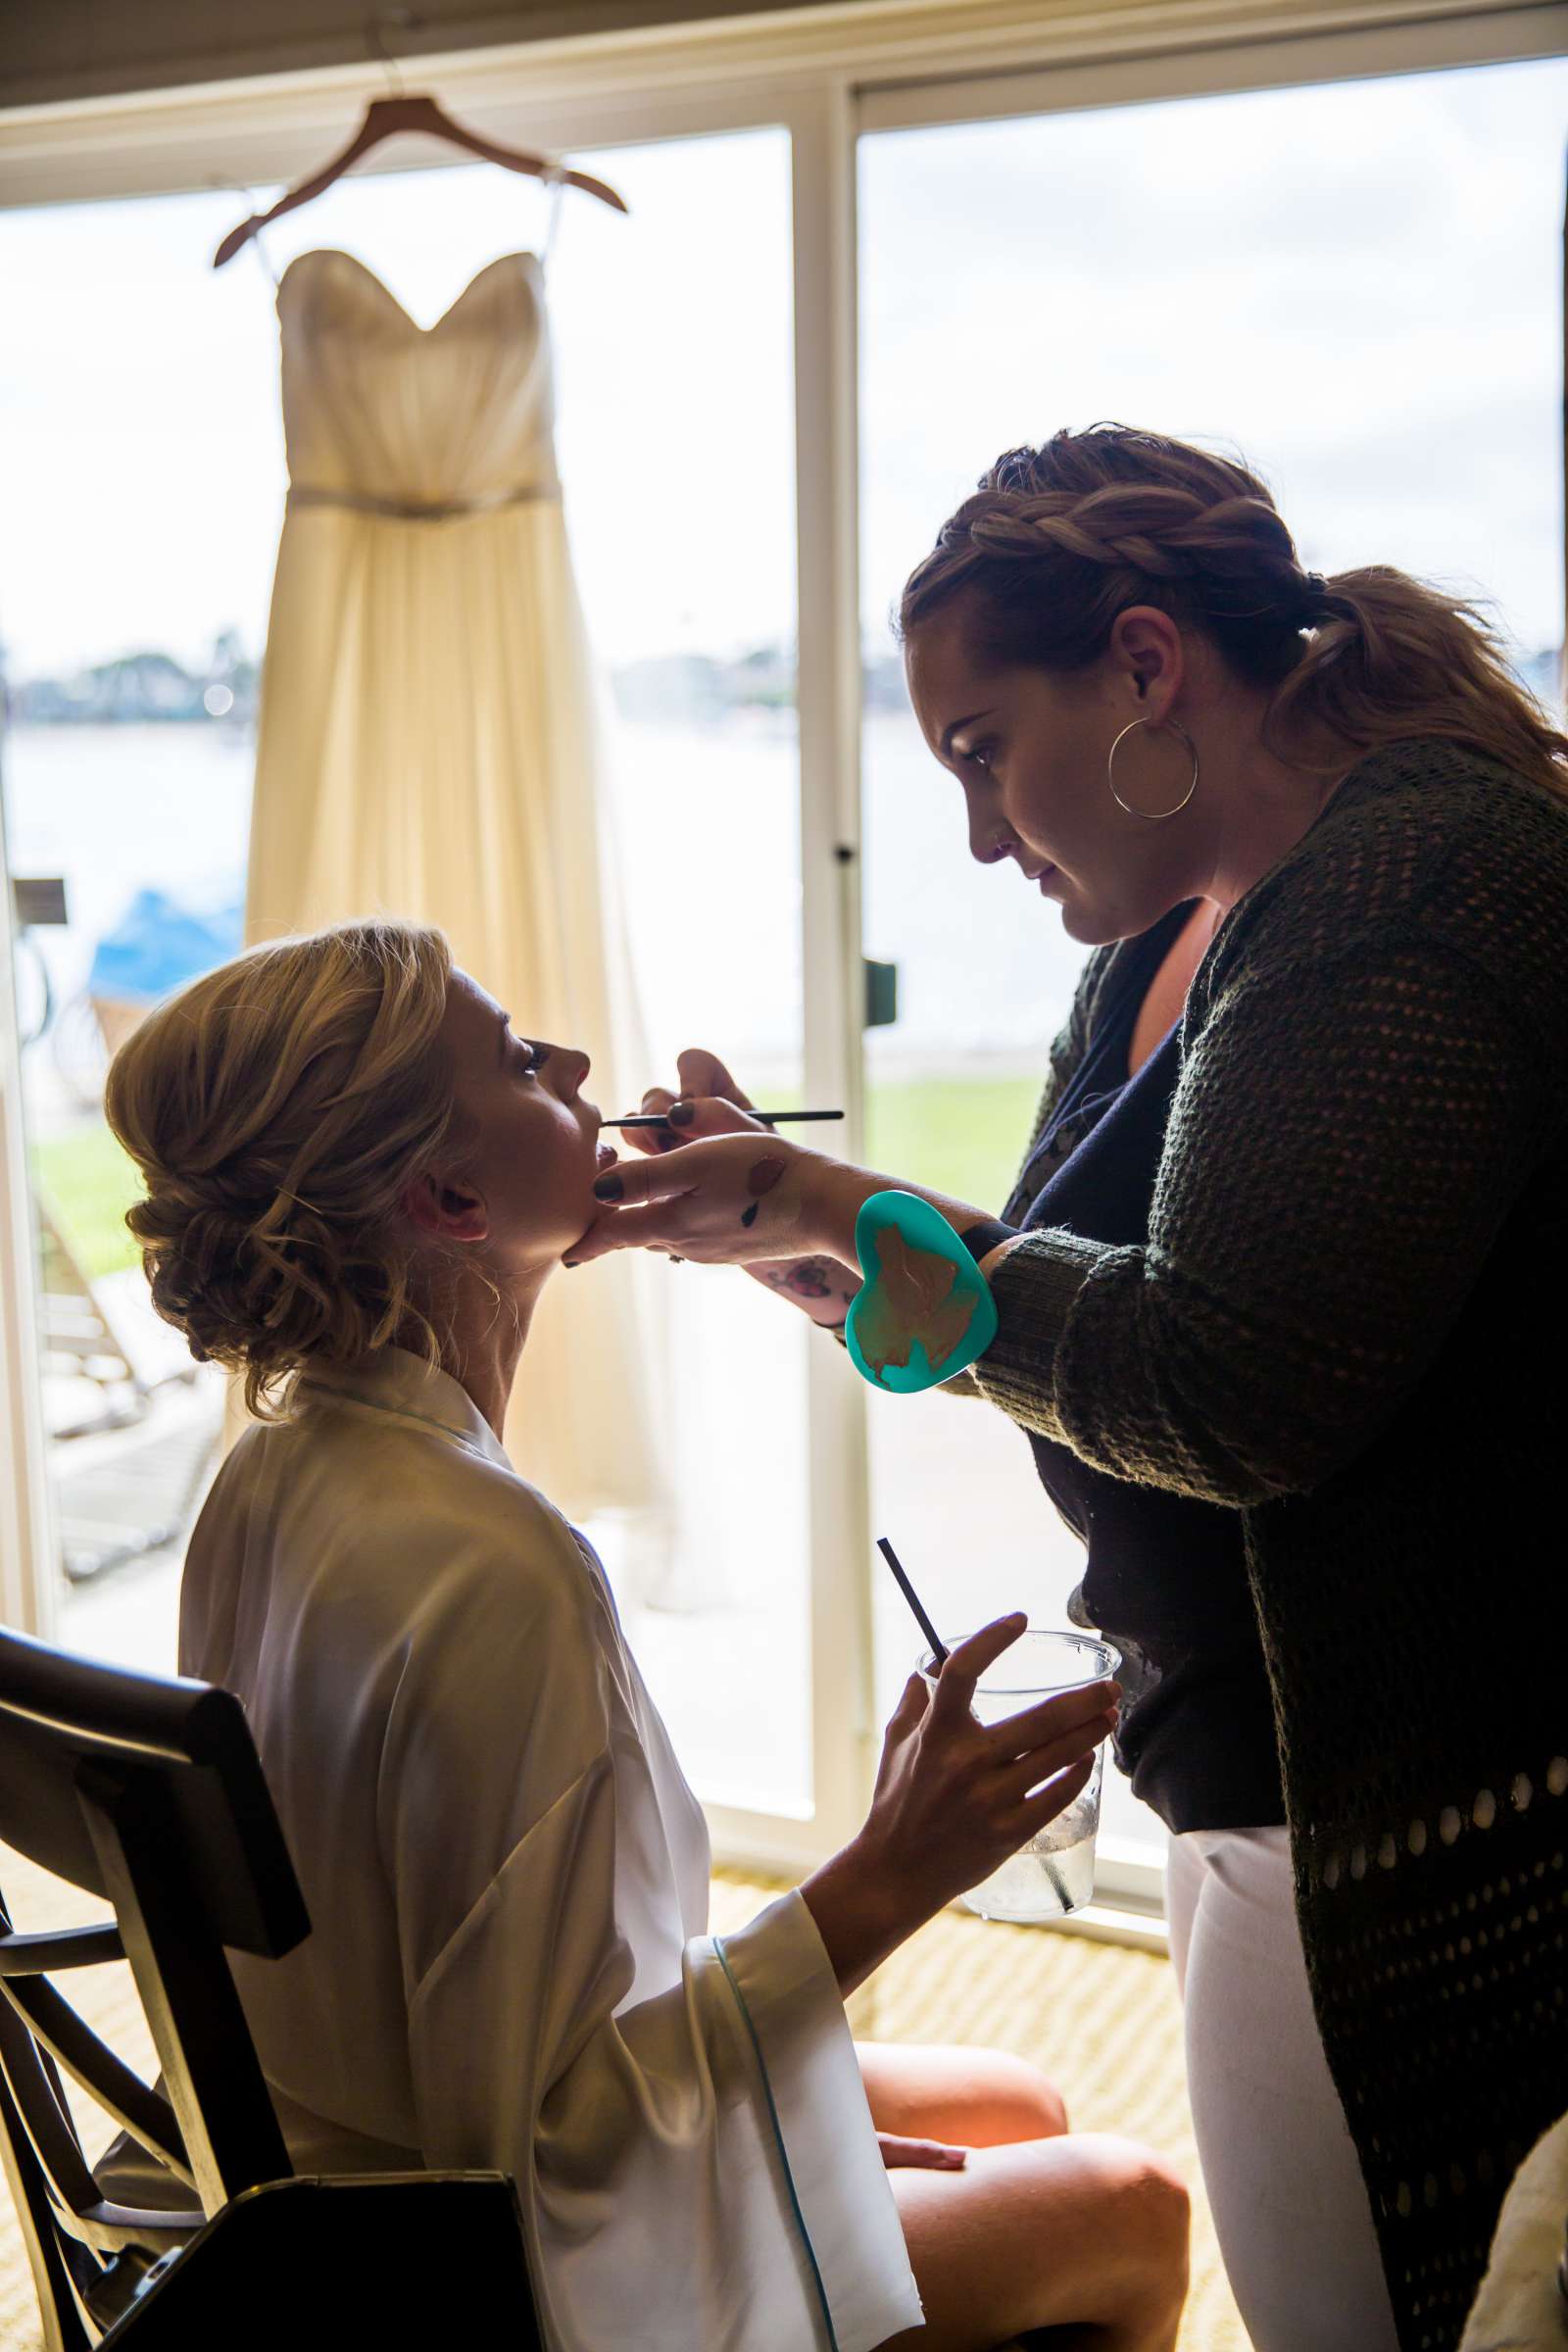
(1057, 540)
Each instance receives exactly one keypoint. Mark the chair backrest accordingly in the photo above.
(148, 1792)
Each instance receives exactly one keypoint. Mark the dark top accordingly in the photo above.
(1346, 1326)
(1165, 1577)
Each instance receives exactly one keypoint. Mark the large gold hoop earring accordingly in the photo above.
(1156, 816)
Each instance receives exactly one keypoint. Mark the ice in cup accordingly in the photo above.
(1054, 1873)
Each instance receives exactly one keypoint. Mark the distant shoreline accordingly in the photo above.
(153, 689)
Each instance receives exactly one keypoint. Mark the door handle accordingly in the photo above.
(881, 994)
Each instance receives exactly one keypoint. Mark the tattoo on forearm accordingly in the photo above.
(763, 1178)
(812, 1278)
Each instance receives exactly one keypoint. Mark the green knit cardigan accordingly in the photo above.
(1349, 1324)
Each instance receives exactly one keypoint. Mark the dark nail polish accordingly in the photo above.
(681, 1115)
(608, 1187)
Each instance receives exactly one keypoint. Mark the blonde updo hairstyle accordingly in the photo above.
(278, 1108)
(1058, 540)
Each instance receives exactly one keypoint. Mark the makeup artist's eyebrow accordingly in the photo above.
(949, 732)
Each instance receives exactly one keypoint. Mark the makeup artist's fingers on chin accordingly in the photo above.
(637, 1183)
(649, 1228)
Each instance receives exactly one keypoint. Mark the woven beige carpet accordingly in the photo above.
(1103, 2022)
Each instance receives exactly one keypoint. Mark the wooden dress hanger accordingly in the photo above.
(388, 118)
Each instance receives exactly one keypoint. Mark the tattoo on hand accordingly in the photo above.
(763, 1178)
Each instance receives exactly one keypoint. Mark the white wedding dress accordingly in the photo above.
(428, 744)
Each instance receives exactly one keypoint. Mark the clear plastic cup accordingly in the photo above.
(1054, 1873)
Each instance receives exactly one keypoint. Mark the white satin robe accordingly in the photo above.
(507, 1877)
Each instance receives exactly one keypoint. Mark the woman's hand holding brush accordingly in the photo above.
(712, 1102)
(739, 1194)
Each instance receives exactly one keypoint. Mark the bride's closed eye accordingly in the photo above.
(532, 1056)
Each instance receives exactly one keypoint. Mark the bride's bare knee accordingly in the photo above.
(1074, 2231)
(1147, 2214)
(983, 2098)
(1147, 2191)
(1015, 2101)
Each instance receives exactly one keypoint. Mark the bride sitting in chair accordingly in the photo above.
(358, 1181)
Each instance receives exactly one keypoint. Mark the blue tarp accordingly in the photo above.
(158, 945)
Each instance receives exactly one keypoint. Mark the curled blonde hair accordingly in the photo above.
(278, 1109)
(1058, 540)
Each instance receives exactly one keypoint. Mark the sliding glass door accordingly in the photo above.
(134, 581)
(1357, 286)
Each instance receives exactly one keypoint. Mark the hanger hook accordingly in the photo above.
(404, 20)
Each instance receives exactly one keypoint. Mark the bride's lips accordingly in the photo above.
(1046, 876)
(604, 1156)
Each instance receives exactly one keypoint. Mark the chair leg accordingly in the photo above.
(63, 2330)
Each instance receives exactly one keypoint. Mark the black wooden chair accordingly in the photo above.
(149, 1793)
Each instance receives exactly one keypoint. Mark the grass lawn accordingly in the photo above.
(964, 1136)
(88, 1183)
(956, 1135)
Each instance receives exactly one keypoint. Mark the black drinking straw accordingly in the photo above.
(914, 1599)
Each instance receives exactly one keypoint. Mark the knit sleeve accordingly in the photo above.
(1348, 1133)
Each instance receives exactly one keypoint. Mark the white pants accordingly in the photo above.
(1291, 2209)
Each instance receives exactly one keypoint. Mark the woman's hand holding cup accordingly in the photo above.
(954, 1798)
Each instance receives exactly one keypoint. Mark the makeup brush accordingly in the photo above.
(770, 1118)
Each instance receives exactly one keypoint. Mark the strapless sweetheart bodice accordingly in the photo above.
(380, 410)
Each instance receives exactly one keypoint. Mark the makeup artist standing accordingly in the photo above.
(1272, 1290)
